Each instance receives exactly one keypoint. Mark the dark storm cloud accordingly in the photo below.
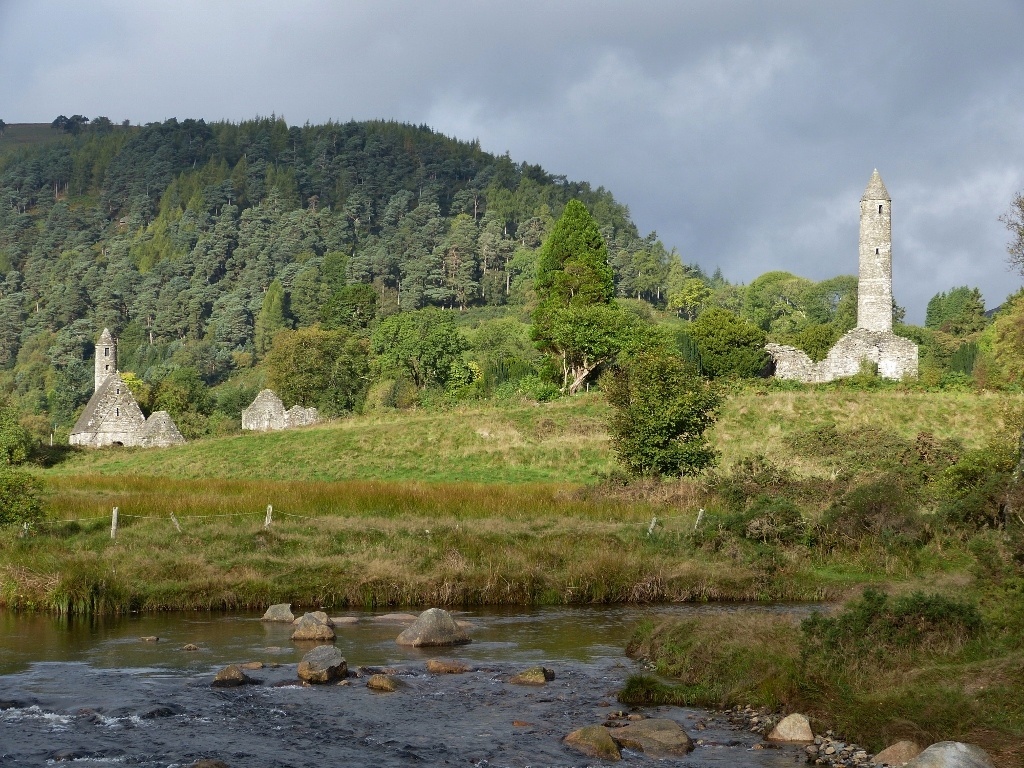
(743, 132)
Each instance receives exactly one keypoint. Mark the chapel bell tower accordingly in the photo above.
(106, 357)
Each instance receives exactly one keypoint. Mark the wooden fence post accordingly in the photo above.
(175, 521)
(270, 516)
(113, 524)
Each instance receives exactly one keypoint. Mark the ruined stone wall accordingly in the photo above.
(895, 356)
(160, 431)
(267, 413)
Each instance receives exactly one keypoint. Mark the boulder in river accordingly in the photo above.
(320, 616)
(232, 676)
(385, 683)
(433, 627)
(447, 667)
(897, 754)
(656, 736)
(322, 665)
(594, 741)
(792, 729)
(279, 612)
(952, 754)
(310, 627)
(533, 676)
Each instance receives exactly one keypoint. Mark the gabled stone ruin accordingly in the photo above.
(872, 341)
(267, 414)
(112, 416)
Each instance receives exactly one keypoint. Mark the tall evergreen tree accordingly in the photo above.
(271, 318)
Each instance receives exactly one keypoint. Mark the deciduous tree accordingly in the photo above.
(319, 367)
(423, 345)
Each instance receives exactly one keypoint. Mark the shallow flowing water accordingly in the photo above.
(90, 691)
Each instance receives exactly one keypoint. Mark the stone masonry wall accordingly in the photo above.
(267, 413)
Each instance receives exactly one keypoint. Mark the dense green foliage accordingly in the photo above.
(424, 346)
(729, 345)
(663, 410)
(328, 369)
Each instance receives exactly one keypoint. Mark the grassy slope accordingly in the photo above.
(564, 441)
(19, 135)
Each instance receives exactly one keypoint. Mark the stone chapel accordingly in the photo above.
(112, 416)
(872, 340)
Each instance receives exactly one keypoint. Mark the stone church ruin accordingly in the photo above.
(872, 341)
(112, 416)
(267, 414)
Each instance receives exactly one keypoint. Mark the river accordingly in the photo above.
(90, 692)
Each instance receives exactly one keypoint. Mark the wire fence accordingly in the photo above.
(116, 517)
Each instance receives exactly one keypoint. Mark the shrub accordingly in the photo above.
(973, 491)
(662, 410)
(882, 510)
(15, 440)
(751, 476)
(876, 632)
(773, 520)
(19, 497)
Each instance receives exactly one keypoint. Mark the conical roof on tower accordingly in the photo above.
(876, 189)
(105, 337)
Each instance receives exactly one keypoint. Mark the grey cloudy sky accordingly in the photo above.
(742, 131)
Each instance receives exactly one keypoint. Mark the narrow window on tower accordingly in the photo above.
(879, 208)
(117, 411)
(106, 350)
(876, 251)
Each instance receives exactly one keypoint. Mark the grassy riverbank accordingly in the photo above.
(921, 667)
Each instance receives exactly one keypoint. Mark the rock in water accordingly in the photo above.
(208, 763)
(952, 754)
(533, 676)
(385, 683)
(231, 676)
(792, 729)
(657, 737)
(322, 665)
(279, 612)
(594, 741)
(311, 628)
(433, 627)
(897, 754)
(442, 667)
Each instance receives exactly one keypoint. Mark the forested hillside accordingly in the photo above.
(194, 242)
(229, 256)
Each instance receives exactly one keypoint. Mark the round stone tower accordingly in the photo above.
(874, 289)
(106, 357)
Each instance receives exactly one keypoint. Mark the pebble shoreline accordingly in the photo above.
(826, 750)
